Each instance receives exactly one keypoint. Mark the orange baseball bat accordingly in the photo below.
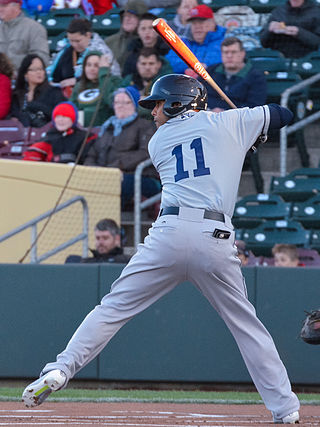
(179, 47)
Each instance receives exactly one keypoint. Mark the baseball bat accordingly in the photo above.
(179, 47)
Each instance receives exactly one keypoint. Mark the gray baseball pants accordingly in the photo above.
(181, 248)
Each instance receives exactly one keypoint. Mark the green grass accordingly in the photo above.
(172, 396)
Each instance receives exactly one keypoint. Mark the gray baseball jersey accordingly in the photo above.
(199, 157)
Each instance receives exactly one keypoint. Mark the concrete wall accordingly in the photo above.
(179, 338)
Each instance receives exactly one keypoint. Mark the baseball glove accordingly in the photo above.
(310, 332)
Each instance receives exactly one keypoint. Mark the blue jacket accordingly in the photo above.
(209, 52)
(247, 88)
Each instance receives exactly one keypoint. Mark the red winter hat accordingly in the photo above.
(38, 152)
(67, 109)
(200, 12)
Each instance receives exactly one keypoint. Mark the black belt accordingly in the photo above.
(174, 210)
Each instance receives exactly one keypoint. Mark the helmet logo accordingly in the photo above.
(165, 91)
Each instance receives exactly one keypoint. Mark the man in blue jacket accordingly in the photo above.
(207, 38)
(245, 85)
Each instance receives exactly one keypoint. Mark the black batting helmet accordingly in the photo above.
(180, 93)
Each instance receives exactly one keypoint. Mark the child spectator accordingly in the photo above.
(285, 255)
(62, 143)
(6, 74)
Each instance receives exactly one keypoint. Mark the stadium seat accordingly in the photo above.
(168, 13)
(297, 186)
(252, 210)
(308, 212)
(106, 24)
(217, 4)
(264, 6)
(260, 240)
(268, 60)
(37, 134)
(58, 20)
(13, 139)
(54, 41)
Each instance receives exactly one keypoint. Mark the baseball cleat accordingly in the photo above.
(288, 419)
(39, 390)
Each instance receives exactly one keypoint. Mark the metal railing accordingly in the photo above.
(138, 205)
(34, 258)
(284, 132)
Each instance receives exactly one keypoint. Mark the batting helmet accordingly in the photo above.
(180, 93)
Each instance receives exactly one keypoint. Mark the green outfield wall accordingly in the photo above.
(179, 338)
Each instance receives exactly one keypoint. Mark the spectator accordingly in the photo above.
(243, 253)
(107, 245)
(37, 7)
(180, 23)
(66, 67)
(293, 28)
(123, 143)
(129, 16)
(285, 255)
(87, 92)
(34, 98)
(148, 37)
(205, 43)
(62, 143)
(6, 74)
(150, 66)
(19, 35)
(245, 85)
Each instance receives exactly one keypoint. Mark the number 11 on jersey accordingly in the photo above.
(201, 169)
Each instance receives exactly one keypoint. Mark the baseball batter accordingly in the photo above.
(199, 157)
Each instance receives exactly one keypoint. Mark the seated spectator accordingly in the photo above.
(66, 67)
(107, 245)
(123, 143)
(19, 35)
(34, 98)
(293, 28)
(245, 85)
(129, 16)
(63, 142)
(37, 7)
(6, 74)
(180, 23)
(285, 255)
(205, 43)
(243, 253)
(148, 37)
(150, 66)
(87, 92)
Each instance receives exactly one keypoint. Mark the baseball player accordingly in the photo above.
(199, 157)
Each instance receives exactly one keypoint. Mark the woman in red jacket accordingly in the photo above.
(6, 74)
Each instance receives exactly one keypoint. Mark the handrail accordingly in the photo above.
(138, 205)
(287, 130)
(34, 258)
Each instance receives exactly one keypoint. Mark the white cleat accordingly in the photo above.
(289, 419)
(40, 389)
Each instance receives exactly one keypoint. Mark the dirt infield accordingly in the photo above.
(144, 414)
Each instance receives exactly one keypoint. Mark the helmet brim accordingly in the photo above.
(150, 101)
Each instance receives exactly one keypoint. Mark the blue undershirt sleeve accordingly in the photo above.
(279, 116)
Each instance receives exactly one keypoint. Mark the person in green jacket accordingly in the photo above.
(87, 91)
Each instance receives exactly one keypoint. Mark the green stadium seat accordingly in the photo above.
(168, 13)
(308, 212)
(315, 240)
(297, 186)
(265, 6)
(260, 240)
(54, 41)
(108, 23)
(268, 60)
(254, 209)
(57, 21)
(217, 4)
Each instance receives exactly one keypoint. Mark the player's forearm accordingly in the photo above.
(279, 116)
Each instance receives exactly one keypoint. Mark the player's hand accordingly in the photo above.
(68, 82)
(105, 61)
(191, 73)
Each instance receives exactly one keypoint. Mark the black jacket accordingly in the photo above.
(36, 113)
(306, 17)
(116, 255)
